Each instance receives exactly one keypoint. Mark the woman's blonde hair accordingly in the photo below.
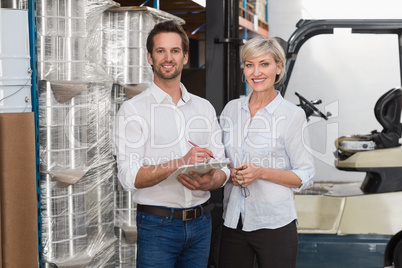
(261, 45)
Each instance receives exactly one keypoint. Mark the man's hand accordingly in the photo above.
(203, 183)
(196, 155)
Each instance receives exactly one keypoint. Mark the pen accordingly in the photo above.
(195, 145)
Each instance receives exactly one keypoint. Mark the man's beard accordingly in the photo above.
(167, 76)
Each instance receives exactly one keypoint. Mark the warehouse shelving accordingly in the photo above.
(35, 108)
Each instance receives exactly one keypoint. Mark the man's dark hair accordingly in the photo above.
(168, 27)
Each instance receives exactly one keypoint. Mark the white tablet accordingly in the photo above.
(199, 168)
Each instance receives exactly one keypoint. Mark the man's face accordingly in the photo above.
(167, 56)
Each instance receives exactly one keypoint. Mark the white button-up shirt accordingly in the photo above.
(276, 137)
(151, 130)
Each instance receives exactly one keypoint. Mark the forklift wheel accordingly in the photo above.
(397, 256)
(393, 251)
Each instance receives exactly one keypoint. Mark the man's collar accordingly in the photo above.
(160, 95)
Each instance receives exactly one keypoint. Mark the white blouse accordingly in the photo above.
(276, 137)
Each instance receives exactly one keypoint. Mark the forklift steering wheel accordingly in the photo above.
(309, 108)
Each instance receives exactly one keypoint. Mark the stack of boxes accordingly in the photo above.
(255, 12)
(260, 7)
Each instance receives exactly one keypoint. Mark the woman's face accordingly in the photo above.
(261, 72)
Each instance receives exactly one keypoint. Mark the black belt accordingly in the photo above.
(184, 214)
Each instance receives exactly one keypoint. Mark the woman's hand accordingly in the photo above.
(232, 178)
(245, 174)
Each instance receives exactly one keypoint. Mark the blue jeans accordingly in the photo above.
(173, 243)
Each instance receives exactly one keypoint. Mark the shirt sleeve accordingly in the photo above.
(298, 149)
(129, 140)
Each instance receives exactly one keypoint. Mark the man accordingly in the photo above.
(152, 137)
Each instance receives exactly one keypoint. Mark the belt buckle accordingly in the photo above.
(185, 217)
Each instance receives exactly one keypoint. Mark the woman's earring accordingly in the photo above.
(243, 79)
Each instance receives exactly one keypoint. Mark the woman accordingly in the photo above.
(265, 138)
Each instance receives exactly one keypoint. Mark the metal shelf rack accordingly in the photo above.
(35, 109)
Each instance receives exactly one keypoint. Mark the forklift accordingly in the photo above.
(352, 224)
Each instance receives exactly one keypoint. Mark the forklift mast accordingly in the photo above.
(309, 28)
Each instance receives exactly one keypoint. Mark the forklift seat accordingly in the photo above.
(388, 113)
(378, 154)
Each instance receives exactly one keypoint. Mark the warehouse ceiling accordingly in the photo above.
(192, 13)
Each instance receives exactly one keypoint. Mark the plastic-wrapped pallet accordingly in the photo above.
(61, 39)
(125, 208)
(76, 173)
(75, 146)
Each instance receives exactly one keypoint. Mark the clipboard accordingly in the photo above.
(199, 168)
